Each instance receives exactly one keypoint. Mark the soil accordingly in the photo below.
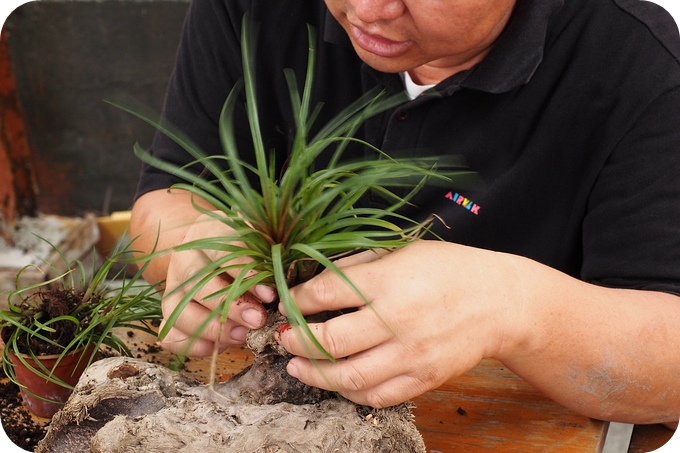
(266, 381)
(20, 427)
(49, 304)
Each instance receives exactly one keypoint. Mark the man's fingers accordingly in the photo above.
(376, 377)
(180, 343)
(361, 258)
(328, 292)
(342, 336)
(192, 318)
(246, 310)
(389, 393)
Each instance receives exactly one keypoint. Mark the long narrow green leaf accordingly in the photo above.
(293, 312)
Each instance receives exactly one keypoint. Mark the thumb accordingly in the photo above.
(330, 291)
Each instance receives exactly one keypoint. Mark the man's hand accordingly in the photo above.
(245, 313)
(163, 219)
(431, 314)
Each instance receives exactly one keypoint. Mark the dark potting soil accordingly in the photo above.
(47, 305)
(17, 422)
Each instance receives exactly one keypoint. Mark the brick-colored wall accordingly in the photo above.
(17, 183)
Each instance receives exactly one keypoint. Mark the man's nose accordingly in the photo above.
(370, 11)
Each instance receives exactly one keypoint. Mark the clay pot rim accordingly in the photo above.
(51, 356)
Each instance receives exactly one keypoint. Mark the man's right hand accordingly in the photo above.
(170, 218)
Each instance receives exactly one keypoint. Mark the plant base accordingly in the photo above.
(123, 404)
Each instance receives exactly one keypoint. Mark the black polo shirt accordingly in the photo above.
(572, 123)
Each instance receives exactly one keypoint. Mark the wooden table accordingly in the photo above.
(487, 409)
(490, 408)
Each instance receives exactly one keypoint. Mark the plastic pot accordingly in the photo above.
(41, 396)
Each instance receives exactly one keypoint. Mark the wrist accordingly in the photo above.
(524, 320)
(159, 221)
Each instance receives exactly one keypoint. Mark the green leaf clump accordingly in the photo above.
(288, 226)
(78, 308)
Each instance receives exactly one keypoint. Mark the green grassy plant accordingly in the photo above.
(288, 226)
(84, 304)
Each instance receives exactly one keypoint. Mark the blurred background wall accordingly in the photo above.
(64, 58)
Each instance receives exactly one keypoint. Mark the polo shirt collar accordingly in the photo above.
(518, 51)
(511, 62)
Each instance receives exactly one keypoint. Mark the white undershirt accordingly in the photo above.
(413, 89)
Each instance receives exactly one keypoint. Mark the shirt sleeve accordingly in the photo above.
(631, 234)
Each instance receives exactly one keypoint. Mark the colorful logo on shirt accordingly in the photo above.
(464, 202)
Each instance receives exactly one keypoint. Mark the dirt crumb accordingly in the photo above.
(20, 427)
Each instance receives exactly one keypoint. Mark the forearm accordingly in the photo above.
(159, 221)
(607, 353)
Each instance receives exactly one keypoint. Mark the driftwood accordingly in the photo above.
(127, 405)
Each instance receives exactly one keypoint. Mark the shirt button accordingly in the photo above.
(403, 115)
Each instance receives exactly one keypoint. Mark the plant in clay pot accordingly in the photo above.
(54, 329)
(287, 226)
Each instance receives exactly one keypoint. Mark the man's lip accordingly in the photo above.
(378, 45)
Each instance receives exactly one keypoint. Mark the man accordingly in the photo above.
(565, 265)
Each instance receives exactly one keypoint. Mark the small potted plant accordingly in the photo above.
(54, 329)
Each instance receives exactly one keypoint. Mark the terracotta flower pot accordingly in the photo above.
(41, 396)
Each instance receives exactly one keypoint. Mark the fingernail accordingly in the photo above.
(292, 369)
(239, 333)
(252, 318)
(265, 293)
(279, 330)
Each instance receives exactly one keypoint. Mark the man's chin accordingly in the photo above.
(382, 64)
